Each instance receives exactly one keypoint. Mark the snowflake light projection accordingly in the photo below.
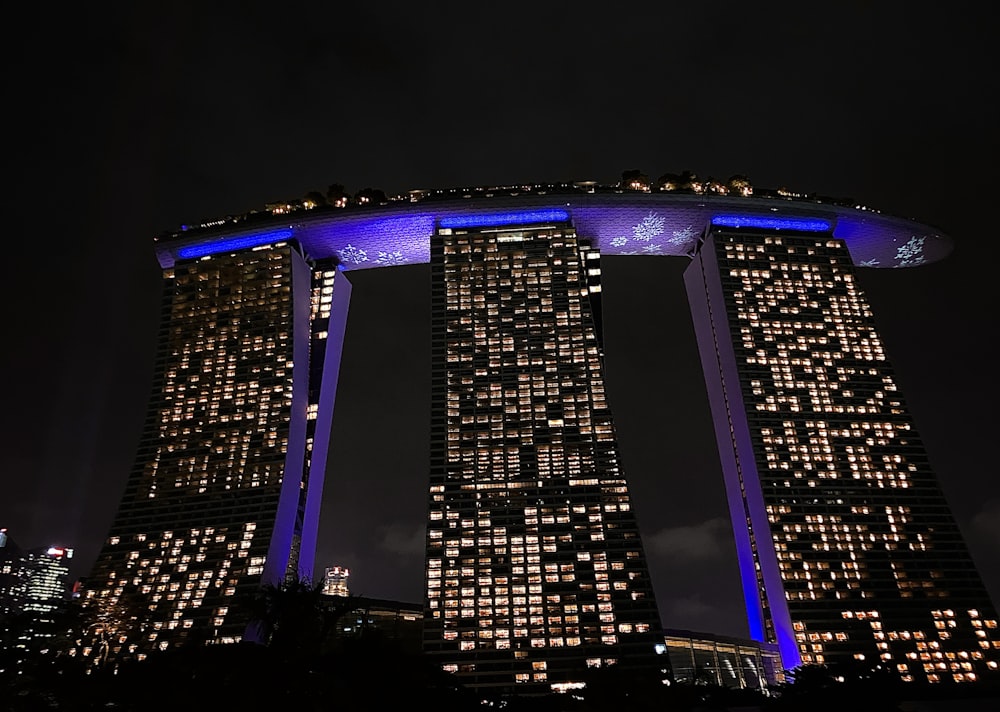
(652, 249)
(353, 255)
(394, 257)
(400, 233)
(651, 226)
(911, 253)
(685, 236)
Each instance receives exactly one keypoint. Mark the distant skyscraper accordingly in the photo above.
(535, 568)
(12, 583)
(33, 586)
(32, 581)
(223, 496)
(45, 573)
(846, 544)
(335, 581)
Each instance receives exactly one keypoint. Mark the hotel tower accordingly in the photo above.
(223, 496)
(535, 569)
(847, 548)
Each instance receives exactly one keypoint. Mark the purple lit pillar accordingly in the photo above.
(763, 592)
(324, 421)
(279, 551)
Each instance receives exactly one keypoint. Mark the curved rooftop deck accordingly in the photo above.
(619, 222)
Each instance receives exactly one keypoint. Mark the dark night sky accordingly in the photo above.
(125, 125)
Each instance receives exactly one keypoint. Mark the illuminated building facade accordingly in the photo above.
(32, 581)
(223, 496)
(535, 568)
(33, 586)
(45, 573)
(11, 581)
(335, 581)
(700, 658)
(847, 548)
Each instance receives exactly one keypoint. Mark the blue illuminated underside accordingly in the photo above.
(233, 243)
(498, 219)
(772, 223)
(616, 224)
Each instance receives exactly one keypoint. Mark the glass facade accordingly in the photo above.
(701, 658)
(220, 498)
(535, 569)
(395, 621)
(45, 573)
(33, 588)
(848, 549)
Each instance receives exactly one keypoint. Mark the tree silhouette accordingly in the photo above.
(835, 686)
(294, 618)
(314, 198)
(370, 196)
(337, 196)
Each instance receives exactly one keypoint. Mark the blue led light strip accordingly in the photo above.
(233, 243)
(495, 219)
(772, 223)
